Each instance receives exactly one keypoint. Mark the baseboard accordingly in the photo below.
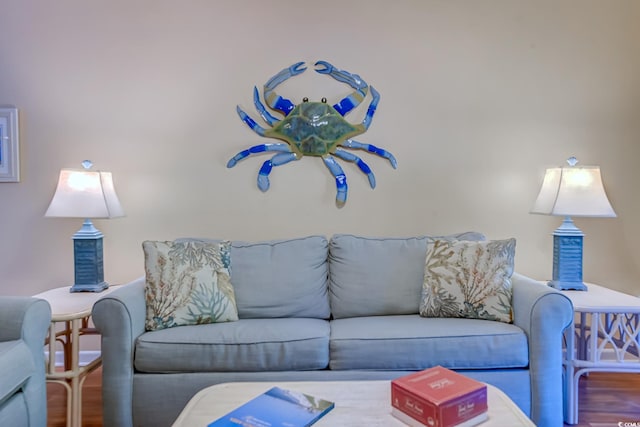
(85, 358)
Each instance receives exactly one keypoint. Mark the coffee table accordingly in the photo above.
(358, 403)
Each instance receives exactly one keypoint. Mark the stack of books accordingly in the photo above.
(438, 397)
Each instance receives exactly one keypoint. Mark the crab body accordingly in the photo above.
(313, 128)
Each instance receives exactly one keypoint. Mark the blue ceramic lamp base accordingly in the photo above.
(88, 260)
(567, 257)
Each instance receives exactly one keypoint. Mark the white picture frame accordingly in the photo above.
(9, 145)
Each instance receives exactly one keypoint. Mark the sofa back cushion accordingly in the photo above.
(281, 278)
(371, 276)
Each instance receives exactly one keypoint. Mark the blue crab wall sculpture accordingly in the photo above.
(313, 128)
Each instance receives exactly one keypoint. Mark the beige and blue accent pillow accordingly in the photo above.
(188, 283)
(469, 279)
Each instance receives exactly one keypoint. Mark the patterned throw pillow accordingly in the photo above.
(469, 279)
(188, 283)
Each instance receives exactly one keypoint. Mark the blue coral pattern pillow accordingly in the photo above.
(188, 283)
(469, 279)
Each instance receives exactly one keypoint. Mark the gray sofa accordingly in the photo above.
(24, 323)
(314, 309)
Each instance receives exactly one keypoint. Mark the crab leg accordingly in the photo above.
(265, 170)
(350, 143)
(256, 149)
(250, 122)
(349, 157)
(372, 108)
(350, 102)
(274, 100)
(341, 179)
(262, 110)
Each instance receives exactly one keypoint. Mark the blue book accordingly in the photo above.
(277, 407)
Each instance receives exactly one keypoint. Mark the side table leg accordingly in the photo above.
(67, 344)
(75, 383)
(69, 404)
(571, 379)
(573, 337)
(51, 364)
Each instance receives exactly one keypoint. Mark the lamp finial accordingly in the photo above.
(572, 161)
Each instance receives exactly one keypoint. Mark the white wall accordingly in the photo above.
(478, 98)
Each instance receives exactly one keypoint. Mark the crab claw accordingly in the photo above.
(272, 99)
(327, 67)
(284, 74)
(353, 80)
(297, 68)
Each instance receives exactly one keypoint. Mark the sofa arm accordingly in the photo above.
(119, 317)
(24, 318)
(543, 313)
(28, 319)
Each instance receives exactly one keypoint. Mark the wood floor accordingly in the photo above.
(606, 399)
(91, 402)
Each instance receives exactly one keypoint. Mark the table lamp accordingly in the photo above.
(83, 193)
(571, 191)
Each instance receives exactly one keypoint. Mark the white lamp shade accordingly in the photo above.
(85, 194)
(573, 191)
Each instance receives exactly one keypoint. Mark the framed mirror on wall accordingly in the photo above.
(9, 145)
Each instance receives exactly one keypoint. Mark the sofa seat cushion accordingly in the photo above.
(16, 366)
(411, 342)
(248, 345)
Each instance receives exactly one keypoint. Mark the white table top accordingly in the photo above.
(357, 403)
(66, 305)
(600, 299)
